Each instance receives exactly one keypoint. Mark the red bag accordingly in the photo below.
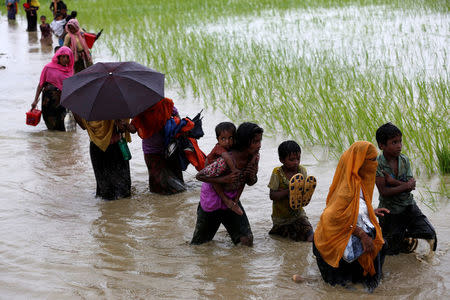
(33, 117)
(26, 5)
(90, 39)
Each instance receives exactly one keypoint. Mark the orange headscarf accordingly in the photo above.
(355, 171)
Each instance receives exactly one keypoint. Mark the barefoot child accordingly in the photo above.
(225, 132)
(405, 223)
(288, 222)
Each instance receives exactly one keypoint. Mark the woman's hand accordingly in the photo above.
(34, 104)
(379, 212)
(232, 177)
(367, 243)
(366, 240)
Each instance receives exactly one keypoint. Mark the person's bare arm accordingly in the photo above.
(387, 191)
(279, 194)
(230, 178)
(36, 96)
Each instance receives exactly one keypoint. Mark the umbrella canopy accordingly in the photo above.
(109, 91)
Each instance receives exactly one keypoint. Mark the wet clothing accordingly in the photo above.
(350, 272)
(164, 175)
(288, 222)
(405, 219)
(411, 222)
(11, 6)
(46, 31)
(396, 204)
(209, 222)
(354, 173)
(51, 80)
(53, 113)
(31, 12)
(112, 172)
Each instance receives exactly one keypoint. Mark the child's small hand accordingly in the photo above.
(411, 184)
(379, 212)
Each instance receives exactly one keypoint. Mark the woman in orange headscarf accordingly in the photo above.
(348, 240)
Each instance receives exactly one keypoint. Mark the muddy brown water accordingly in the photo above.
(58, 241)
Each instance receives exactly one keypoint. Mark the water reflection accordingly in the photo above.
(46, 45)
(32, 37)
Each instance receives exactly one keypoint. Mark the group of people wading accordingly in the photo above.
(351, 237)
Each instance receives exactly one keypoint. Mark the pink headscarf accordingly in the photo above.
(54, 73)
(73, 41)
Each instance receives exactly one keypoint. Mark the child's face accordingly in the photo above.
(226, 139)
(393, 146)
(43, 20)
(291, 161)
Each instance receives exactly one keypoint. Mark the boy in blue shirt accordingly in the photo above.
(405, 223)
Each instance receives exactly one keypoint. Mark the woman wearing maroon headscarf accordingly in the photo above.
(50, 84)
(76, 41)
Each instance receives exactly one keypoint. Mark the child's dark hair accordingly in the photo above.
(387, 131)
(288, 147)
(245, 134)
(225, 126)
(73, 13)
(43, 17)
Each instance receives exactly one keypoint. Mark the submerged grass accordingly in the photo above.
(322, 72)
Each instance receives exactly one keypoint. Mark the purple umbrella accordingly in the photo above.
(109, 91)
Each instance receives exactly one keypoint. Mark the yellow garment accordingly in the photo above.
(355, 171)
(100, 132)
(67, 42)
(35, 3)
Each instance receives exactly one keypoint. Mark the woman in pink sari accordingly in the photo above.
(50, 84)
(76, 41)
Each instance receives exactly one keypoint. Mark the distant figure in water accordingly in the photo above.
(31, 7)
(348, 241)
(76, 41)
(11, 7)
(50, 84)
(406, 223)
(46, 31)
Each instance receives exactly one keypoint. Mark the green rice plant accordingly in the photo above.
(443, 155)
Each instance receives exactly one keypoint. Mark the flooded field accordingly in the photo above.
(59, 241)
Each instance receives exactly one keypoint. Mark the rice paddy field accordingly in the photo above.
(324, 72)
